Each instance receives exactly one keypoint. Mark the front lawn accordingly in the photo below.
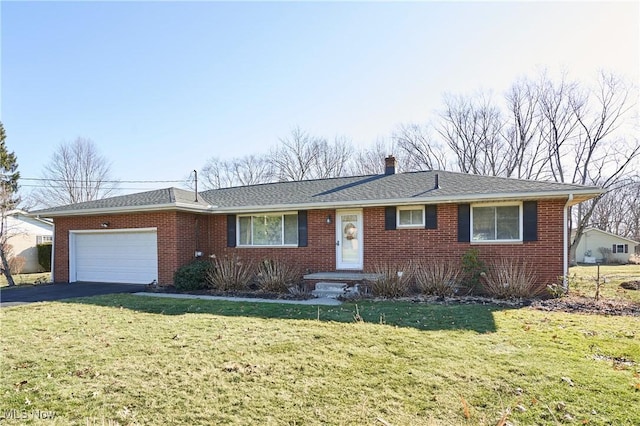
(26, 279)
(124, 359)
(582, 281)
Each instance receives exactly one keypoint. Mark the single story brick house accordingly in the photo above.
(336, 224)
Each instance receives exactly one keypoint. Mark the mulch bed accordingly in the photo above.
(584, 305)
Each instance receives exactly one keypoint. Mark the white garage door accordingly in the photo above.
(114, 256)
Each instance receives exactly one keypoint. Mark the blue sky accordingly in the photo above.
(162, 86)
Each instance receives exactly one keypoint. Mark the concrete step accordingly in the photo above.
(341, 276)
(334, 290)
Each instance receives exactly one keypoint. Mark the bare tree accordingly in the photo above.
(583, 141)
(618, 211)
(420, 150)
(296, 156)
(9, 176)
(472, 128)
(216, 174)
(252, 169)
(527, 156)
(301, 156)
(370, 160)
(247, 170)
(332, 159)
(77, 172)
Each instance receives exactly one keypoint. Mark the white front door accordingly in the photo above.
(349, 247)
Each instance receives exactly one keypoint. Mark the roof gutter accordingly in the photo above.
(127, 209)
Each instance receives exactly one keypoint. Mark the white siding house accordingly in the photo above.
(593, 239)
(23, 233)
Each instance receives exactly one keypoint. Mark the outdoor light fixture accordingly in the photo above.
(329, 219)
(104, 225)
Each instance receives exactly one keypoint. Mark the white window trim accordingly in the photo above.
(42, 239)
(502, 204)
(419, 207)
(251, 215)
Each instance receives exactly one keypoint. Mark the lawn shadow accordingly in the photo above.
(421, 316)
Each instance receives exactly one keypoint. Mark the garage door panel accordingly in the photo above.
(122, 257)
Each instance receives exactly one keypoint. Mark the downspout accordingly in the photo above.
(565, 241)
(53, 250)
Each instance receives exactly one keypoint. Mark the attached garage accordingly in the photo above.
(116, 256)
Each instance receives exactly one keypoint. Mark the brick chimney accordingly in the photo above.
(390, 165)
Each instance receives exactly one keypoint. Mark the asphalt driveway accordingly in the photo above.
(49, 292)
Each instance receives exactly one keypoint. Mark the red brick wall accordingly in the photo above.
(176, 238)
(319, 256)
(442, 243)
(180, 234)
(403, 244)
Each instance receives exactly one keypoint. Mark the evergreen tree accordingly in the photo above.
(9, 176)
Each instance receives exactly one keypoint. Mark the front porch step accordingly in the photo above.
(334, 290)
(341, 276)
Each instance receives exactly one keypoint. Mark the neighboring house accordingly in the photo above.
(344, 224)
(23, 233)
(588, 249)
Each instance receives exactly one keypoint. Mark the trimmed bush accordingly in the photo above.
(192, 276)
(438, 277)
(277, 275)
(230, 273)
(394, 280)
(511, 278)
(472, 269)
(44, 256)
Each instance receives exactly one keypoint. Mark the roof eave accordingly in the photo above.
(125, 210)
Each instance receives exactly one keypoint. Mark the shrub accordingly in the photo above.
(439, 277)
(556, 290)
(606, 253)
(44, 256)
(277, 275)
(230, 273)
(192, 276)
(472, 268)
(16, 264)
(394, 280)
(509, 278)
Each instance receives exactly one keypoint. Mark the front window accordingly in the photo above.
(273, 229)
(43, 239)
(411, 216)
(496, 223)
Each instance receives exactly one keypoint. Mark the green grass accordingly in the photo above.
(25, 279)
(124, 359)
(582, 281)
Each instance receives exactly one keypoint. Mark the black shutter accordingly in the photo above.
(613, 250)
(389, 218)
(464, 223)
(231, 230)
(302, 228)
(530, 221)
(626, 248)
(431, 216)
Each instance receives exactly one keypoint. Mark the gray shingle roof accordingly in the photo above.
(159, 197)
(414, 187)
(418, 186)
